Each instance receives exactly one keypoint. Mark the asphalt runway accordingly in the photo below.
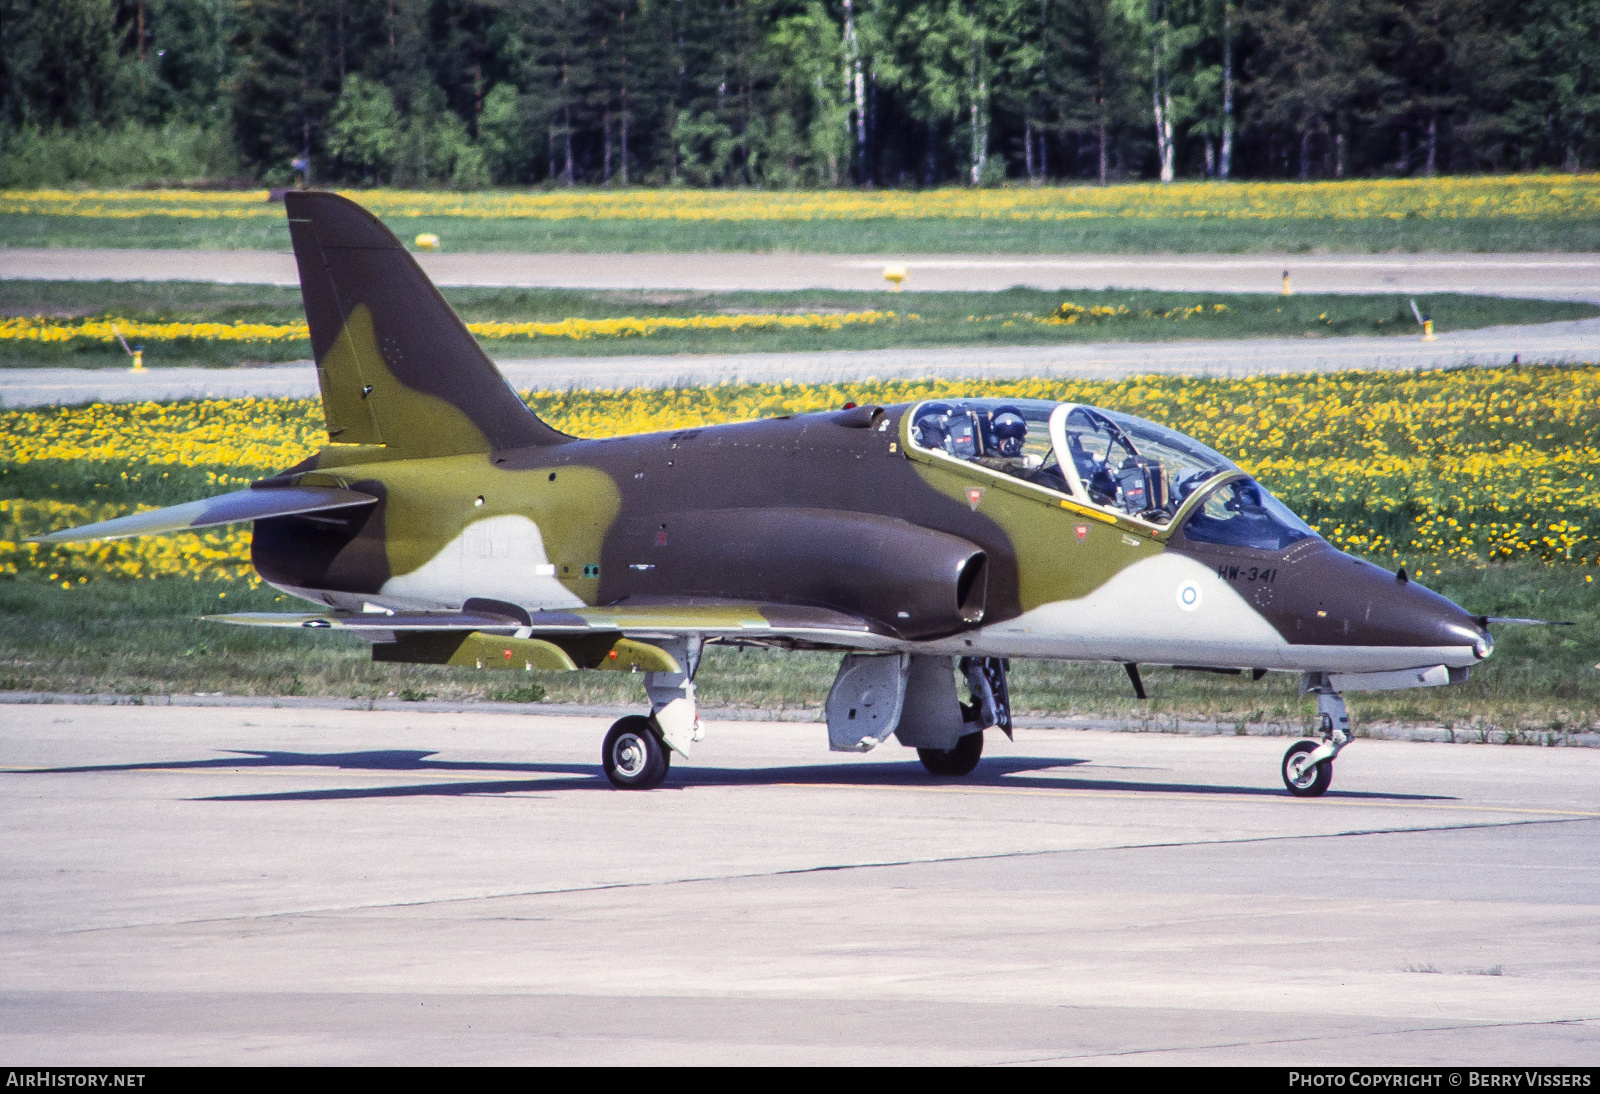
(1548, 276)
(1549, 343)
(199, 885)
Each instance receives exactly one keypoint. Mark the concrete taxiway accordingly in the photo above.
(1549, 276)
(322, 886)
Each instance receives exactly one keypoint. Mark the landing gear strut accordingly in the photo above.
(989, 708)
(1308, 765)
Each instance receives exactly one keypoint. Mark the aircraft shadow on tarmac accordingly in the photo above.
(992, 773)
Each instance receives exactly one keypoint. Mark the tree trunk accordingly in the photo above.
(1305, 155)
(623, 35)
(1338, 156)
(975, 165)
(1161, 99)
(1027, 146)
(566, 136)
(1100, 104)
(855, 85)
(1433, 143)
(1225, 167)
(605, 156)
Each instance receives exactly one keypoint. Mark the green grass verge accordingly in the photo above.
(144, 638)
(942, 318)
(1104, 235)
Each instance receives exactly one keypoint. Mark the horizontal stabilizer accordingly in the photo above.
(241, 505)
(757, 623)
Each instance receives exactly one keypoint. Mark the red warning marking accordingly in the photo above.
(508, 655)
(1083, 532)
(974, 496)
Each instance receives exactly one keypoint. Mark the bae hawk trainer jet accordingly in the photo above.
(448, 525)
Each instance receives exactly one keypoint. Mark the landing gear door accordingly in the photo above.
(866, 701)
(932, 716)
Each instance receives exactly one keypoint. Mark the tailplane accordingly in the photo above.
(396, 365)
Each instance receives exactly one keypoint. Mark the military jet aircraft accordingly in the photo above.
(447, 524)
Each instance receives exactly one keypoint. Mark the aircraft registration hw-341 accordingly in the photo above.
(448, 525)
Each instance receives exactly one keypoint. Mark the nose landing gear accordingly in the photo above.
(1308, 765)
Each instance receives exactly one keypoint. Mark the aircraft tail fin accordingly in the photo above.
(396, 365)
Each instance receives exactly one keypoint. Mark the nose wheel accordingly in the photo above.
(1305, 777)
(1308, 765)
(634, 756)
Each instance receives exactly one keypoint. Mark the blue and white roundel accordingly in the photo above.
(1189, 595)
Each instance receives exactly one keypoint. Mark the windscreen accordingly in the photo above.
(1243, 514)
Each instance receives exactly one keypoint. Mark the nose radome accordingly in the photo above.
(1412, 615)
(1331, 598)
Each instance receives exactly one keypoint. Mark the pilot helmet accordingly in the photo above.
(1010, 430)
(932, 425)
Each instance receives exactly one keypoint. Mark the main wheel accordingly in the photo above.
(959, 760)
(634, 757)
(1306, 780)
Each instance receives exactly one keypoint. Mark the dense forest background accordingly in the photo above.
(785, 93)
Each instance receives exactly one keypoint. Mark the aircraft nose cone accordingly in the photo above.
(1416, 616)
(1341, 600)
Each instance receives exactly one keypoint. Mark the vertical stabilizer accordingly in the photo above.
(396, 365)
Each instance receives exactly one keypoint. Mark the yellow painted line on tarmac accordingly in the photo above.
(1147, 795)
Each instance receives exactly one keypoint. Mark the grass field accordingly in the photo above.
(1508, 213)
(956, 236)
(1012, 317)
(1482, 482)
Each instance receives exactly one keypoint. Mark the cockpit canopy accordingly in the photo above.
(1108, 460)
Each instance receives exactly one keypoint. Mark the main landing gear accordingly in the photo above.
(634, 755)
(637, 753)
(988, 708)
(959, 760)
(1308, 765)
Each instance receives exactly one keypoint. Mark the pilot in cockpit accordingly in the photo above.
(1009, 432)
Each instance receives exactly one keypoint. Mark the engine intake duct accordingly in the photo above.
(910, 581)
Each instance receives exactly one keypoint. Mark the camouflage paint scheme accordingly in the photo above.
(449, 524)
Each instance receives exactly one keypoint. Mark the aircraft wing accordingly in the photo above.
(735, 621)
(253, 504)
